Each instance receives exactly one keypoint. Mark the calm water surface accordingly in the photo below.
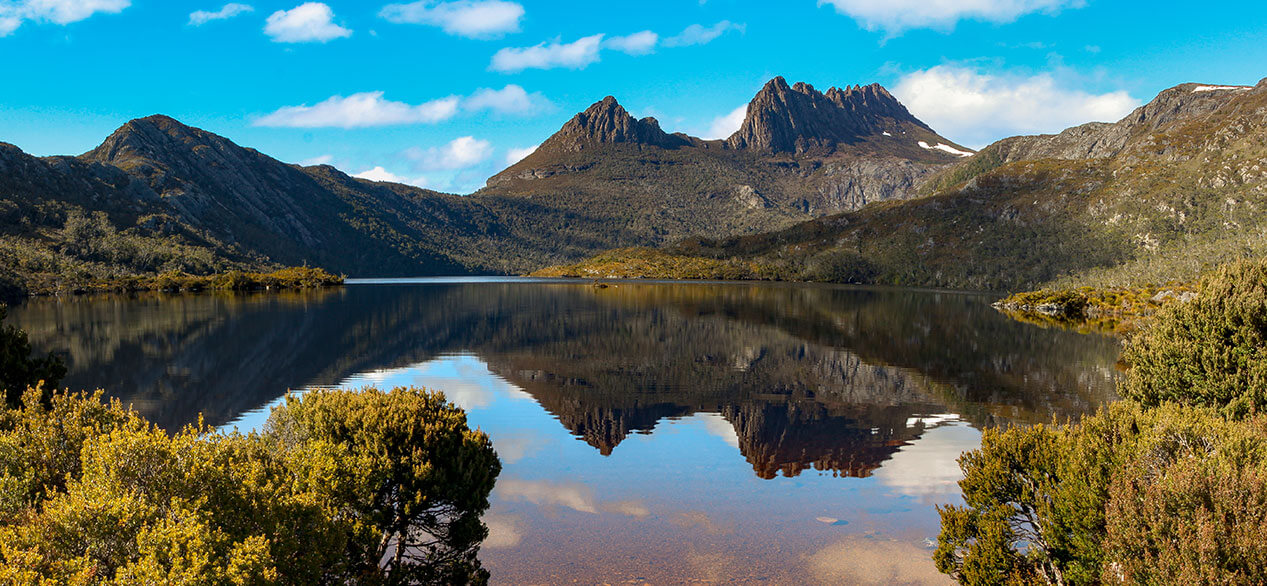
(650, 432)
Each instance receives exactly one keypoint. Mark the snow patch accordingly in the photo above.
(946, 148)
(1215, 88)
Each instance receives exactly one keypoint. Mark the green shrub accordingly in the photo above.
(1130, 495)
(1211, 351)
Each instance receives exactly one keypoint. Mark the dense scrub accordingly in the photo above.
(639, 263)
(1169, 486)
(369, 487)
(288, 278)
(1210, 352)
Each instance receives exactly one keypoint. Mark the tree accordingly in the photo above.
(405, 466)
(18, 370)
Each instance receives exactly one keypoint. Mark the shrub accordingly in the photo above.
(1130, 495)
(332, 493)
(1211, 351)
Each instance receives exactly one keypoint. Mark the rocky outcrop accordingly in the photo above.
(800, 119)
(606, 122)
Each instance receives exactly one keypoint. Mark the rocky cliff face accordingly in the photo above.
(800, 119)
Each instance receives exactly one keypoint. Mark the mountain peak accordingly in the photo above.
(154, 137)
(800, 118)
(607, 122)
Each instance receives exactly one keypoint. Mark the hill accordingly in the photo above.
(1169, 191)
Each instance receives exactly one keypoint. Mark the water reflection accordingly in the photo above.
(650, 432)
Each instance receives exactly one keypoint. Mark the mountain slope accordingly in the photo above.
(256, 203)
(1175, 187)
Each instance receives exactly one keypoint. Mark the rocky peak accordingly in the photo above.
(607, 122)
(153, 138)
(799, 118)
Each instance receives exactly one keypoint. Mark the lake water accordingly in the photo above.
(649, 432)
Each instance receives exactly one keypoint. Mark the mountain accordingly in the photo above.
(158, 195)
(800, 119)
(606, 122)
(1175, 187)
(800, 154)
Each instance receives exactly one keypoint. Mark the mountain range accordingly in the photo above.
(842, 185)
(158, 195)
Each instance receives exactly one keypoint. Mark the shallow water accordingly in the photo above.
(650, 432)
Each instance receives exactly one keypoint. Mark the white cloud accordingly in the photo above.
(359, 111)
(642, 43)
(511, 99)
(895, 16)
(308, 22)
(975, 108)
(381, 174)
(725, 125)
(514, 155)
(927, 468)
(368, 109)
(476, 19)
(575, 55)
(13, 14)
(8, 24)
(717, 425)
(698, 34)
(230, 10)
(460, 153)
(571, 495)
(317, 160)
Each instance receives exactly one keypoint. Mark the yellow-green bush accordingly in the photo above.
(91, 493)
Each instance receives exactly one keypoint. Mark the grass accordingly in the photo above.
(641, 262)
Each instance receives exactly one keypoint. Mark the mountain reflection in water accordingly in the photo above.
(884, 386)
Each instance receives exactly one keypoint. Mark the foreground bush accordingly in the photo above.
(1211, 351)
(1169, 486)
(352, 488)
(1130, 495)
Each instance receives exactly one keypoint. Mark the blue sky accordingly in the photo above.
(444, 93)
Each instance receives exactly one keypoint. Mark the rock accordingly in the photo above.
(607, 122)
(799, 118)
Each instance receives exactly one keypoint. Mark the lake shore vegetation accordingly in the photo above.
(1167, 486)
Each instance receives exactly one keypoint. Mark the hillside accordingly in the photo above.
(158, 195)
(1177, 186)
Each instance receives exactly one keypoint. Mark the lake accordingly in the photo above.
(649, 432)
